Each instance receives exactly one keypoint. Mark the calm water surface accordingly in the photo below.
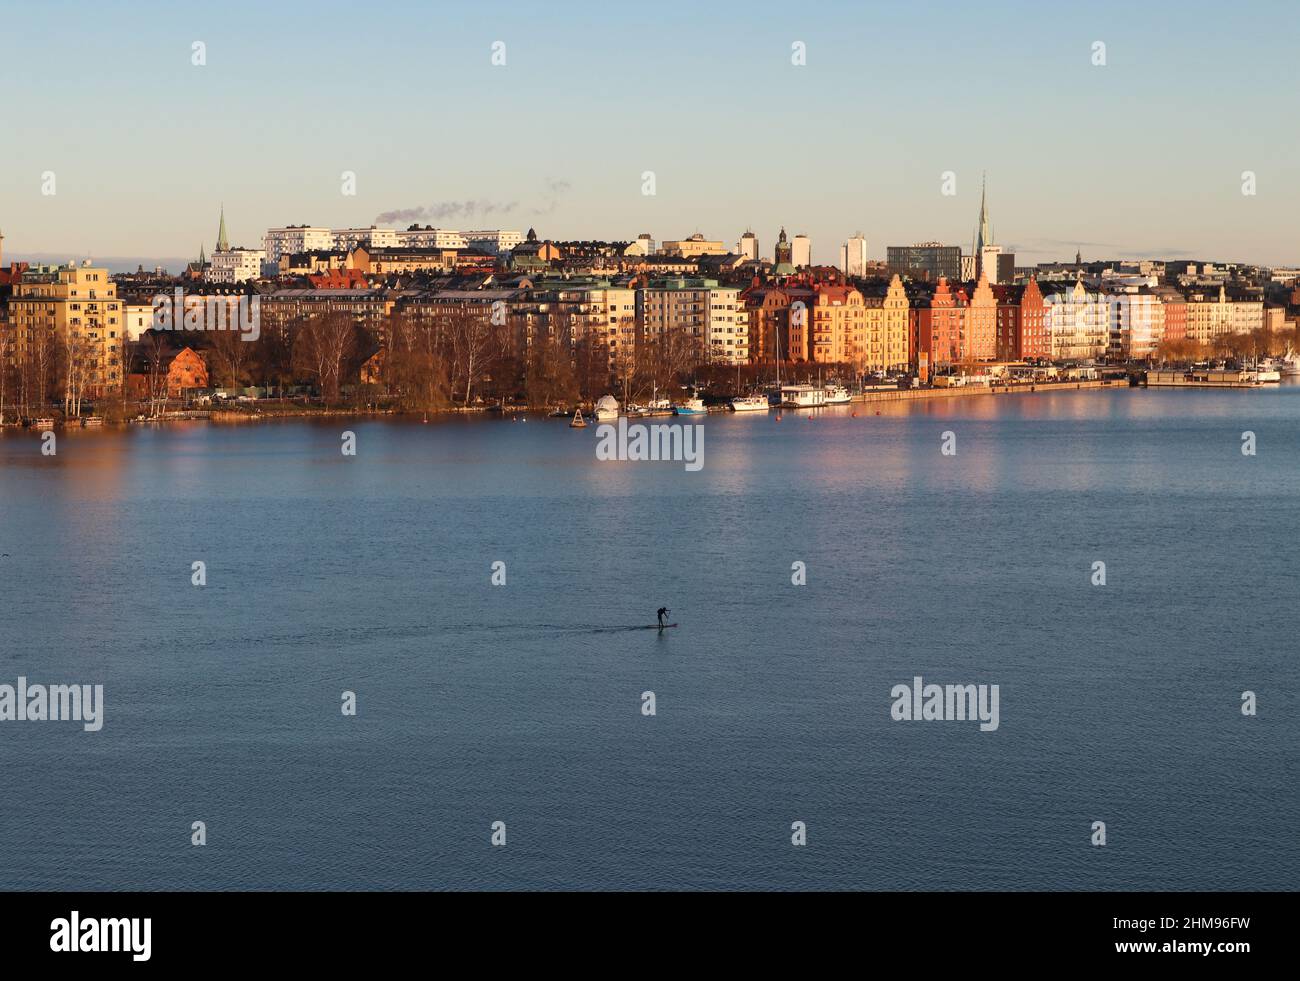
(522, 703)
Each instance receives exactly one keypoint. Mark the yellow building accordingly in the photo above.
(982, 322)
(696, 245)
(836, 327)
(69, 326)
(1209, 314)
(885, 329)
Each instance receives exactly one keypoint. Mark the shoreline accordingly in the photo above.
(229, 417)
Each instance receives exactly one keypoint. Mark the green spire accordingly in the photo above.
(222, 243)
(985, 235)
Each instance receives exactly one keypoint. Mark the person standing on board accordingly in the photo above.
(663, 615)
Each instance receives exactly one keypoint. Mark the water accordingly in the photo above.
(522, 703)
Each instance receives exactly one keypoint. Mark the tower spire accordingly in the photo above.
(222, 243)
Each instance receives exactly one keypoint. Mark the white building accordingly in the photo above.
(1137, 323)
(430, 238)
(801, 251)
(747, 247)
(236, 265)
(988, 263)
(497, 240)
(728, 327)
(295, 238)
(136, 319)
(853, 256)
(1077, 320)
(347, 239)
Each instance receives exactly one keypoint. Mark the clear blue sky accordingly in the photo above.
(1141, 157)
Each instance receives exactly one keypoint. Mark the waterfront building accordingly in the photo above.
(368, 308)
(1022, 329)
(767, 313)
(1173, 314)
(1078, 322)
(1137, 323)
(938, 325)
(1208, 315)
(981, 321)
(835, 330)
(697, 314)
(179, 372)
(72, 316)
(885, 327)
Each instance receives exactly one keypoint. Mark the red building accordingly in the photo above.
(1022, 323)
(938, 321)
(1174, 305)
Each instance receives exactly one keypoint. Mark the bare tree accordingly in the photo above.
(323, 344)
(476, 344)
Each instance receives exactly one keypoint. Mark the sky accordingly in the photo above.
(1140, 157)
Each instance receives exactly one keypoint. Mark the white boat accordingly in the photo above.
(606, 408)
(1290, 363)
(693, 406)
(750, 403)
(837, 395)
(1268, 370)
(803, 396)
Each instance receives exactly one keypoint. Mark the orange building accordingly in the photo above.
(180, 371)
(938, 325)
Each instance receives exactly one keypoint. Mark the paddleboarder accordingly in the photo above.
(663, 615)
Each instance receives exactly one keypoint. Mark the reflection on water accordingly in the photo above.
(522, 703)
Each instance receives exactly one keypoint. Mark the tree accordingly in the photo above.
(232, 354)
(549, 378)
(476, 344)
(324, 343)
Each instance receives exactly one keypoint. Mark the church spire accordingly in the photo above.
(222, 244)
(985, 235)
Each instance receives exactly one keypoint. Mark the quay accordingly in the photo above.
(911, 394)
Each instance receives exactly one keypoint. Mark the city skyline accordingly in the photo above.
(1141, 157)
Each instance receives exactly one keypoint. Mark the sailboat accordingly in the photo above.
(754, 402)
(577, 422)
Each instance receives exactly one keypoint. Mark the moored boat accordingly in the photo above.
(606, 408)
(803, 396)
(837, 395)
(693, 406)
(750, 403)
